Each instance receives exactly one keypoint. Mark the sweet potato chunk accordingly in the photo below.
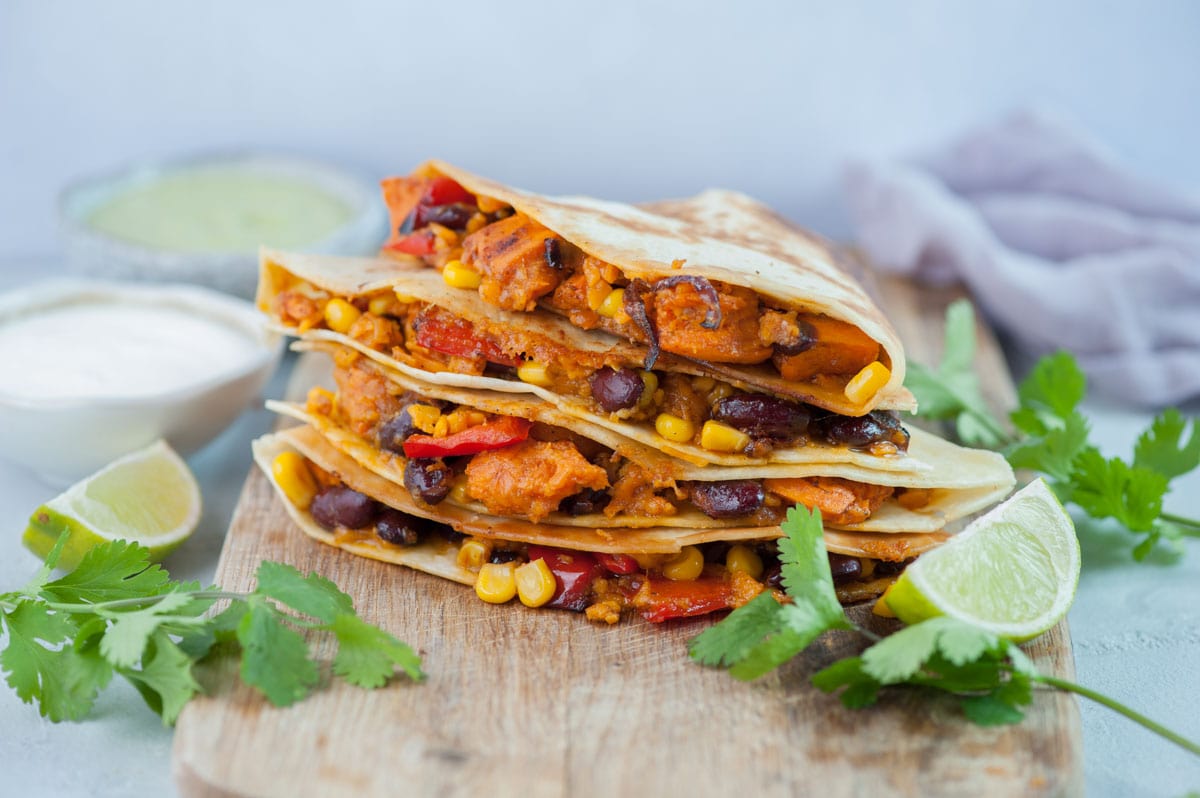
(679, 312)
(511, 255)
(841, 348)
(531, 478)
(841, 501)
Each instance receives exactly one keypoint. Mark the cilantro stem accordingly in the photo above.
(1117, 706)
(144, 601)
(1179, 519)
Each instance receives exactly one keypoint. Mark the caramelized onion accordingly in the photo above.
(635, 305)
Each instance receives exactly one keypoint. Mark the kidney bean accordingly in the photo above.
(857, 431)
(427, 479)
(727, 499)
(888, 568)
(454, 216)
(616, 389)
(400, 528)
(773, 576)
(554, 258)
(339, 505)
(585, 502)
(844, 568)
(762, 416)
(806, 336)
(504, 555)
(395, 431)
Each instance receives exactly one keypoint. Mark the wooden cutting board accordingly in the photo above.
(541, 703)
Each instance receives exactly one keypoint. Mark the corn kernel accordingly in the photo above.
(476, 222)
(445, 237)
(648, 562)
(674, 428)
(612, 303)
(534, 373)
(718, 437)
(458, 492)
(649, 386)
(866, 383)
(719, 391)
(684, 566)
(703, 384)
(340, 315)
(292, 475)
(882, 608)
(459, 275)
(406, 299)
(473, 553)
(744, 559)
(424, 417)
(489, 204)
(496, 582)
(442, 427)
(380, 305)
(535, 583)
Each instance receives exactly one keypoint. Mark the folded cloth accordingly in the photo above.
(1061, 246)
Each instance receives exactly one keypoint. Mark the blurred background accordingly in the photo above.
(624, 100)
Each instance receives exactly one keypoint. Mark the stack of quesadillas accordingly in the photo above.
(601, 407)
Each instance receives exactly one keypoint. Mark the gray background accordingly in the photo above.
(617, 99)
(627, 101)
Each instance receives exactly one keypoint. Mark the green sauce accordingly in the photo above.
(221, 209)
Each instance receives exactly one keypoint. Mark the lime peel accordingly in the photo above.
(148, 496)
(1013, 571)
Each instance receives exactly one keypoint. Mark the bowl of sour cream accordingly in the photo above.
(202, 219)
(91, 370)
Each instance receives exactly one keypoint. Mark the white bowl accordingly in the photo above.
(64, 438)
(93, 253)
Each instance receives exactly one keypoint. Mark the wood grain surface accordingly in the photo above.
(524, 702)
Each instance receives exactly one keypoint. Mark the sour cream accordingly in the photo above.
(106, 348)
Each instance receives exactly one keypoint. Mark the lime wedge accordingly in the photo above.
(1013, 571)
(149, 497)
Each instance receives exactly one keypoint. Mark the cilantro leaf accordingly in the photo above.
(309, 595)
(952, 391)
(275, 657)
(63, 681)
(127, 637)
(1054, 388)
(165, 680)
(990, 710)
(111, 571)
(729, 641)
(1161, 447)
(1110, 488)
(804, 564)
(861, 689)
(367, 655)
(1056, 452)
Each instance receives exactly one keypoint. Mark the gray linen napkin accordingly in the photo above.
(1061, 245)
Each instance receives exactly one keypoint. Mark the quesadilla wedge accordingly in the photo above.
(724, 283)
(410, 321)
(514, 455)
(659, 572)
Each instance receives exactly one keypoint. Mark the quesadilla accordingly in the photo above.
(409, 320)
(517, 456)
(658, 572)
(724, 283)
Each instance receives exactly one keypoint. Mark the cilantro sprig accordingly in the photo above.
(1051, 436)
(118, 614)
(991, 678)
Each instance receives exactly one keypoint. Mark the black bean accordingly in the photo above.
(858, 431)
(504, 555)
(553, 254)
(454, 216)
(727, 499)
(843, 568)
(889, 568)
(585, 502)
(400, 528)
(616, 389)
(773, 576)
(395, 431)
(339, 505)
(427, 479)
(449, 533)
(762, 416)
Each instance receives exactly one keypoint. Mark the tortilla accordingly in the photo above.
(739, 243)
(428, 556)
(356, 277)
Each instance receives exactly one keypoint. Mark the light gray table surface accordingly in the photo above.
(1135, 627)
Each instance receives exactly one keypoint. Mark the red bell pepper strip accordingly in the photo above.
(661, 599)
(618, 563)
(574, 571)
(419, 243)
(444, 191)
(446, 333)
(504, 431)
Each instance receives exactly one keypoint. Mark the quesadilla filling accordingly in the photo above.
(688, 409)
(698, 580)
(516, 467)
(517, 264)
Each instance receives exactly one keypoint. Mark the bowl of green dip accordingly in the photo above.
(202, 219)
